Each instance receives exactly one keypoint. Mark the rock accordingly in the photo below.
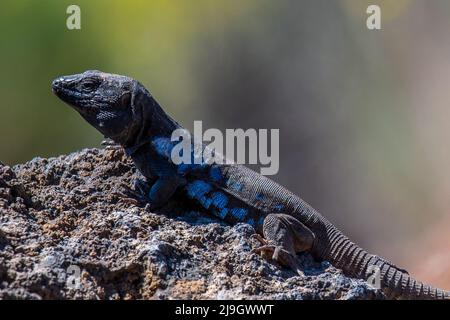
(70, 228)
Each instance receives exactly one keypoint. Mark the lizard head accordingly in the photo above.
(113, 104)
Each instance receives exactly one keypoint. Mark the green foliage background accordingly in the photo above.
(150, 40)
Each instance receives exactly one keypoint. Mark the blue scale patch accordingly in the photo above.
(251, 222)
(198, 190)
(206, 202)
(163, 146)
(222, 213)
(183, 168)
(259, 196)
(239, 213)
(215, 174)
(219, 200)
(236, 186)
(278, 207)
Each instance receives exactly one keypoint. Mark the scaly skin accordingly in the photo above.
(124, 111)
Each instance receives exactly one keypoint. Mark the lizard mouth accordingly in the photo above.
(73, 98)
(59, 89)
(57, 86)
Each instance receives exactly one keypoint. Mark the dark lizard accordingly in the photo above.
(124, 111)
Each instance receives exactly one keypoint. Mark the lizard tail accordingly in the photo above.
(356, 262)
(397, 283)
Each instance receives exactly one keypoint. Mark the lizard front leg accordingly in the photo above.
(163, 189)
(284, 236)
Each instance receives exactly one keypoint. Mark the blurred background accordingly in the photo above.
(364, 116)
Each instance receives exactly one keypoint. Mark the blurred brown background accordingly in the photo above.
(364, 116)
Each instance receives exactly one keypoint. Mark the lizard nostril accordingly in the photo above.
(55, 82)
(56, 85)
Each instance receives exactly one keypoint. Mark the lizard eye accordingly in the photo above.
(89, 85)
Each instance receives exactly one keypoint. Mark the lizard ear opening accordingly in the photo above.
(141, 108)
(148, 116)
(136, 104)
(140, 100)
(125, 100)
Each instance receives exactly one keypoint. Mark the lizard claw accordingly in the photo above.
(279, 254)
(259, 238)
(128, 195)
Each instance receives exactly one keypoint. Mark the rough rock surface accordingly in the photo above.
(71, 229)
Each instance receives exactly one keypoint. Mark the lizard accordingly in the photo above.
(124, 111)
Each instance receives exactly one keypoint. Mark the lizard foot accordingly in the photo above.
(141, 189)
(279, 254)
(134, 195)
(284, 236)
(259, 238)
